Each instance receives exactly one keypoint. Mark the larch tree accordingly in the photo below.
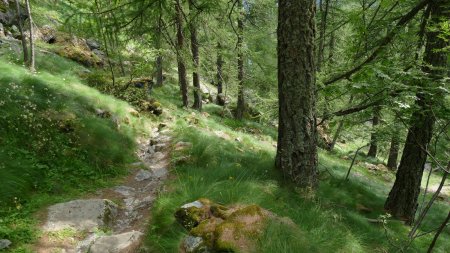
(297, 134)
(402, 200)
(182, 78)
(22, 35)
(393, 151)
(373, 149)
(195, 56)
(158, 45)
(240, 109)
(219, 65)
(31, 63)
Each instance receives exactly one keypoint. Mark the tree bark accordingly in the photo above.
(402, 200)
(195, 58)
(393, 151)
(182, 79)
(31, 63)
(373, 149)
(220, 95)
(24, 39)
(159, 58)
(240, 109)
(297, 133)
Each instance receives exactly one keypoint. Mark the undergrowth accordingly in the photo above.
(53, 143)
(238, 167)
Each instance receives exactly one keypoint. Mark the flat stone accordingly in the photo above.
(4, 243)
(125, 242)
(143, 175)
(160, 172)
(126, 191)
(196, 203)
(158, 156)
(81, 215)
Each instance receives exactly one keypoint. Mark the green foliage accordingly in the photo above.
(53, 145)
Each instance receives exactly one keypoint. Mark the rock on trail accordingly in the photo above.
(115, 219)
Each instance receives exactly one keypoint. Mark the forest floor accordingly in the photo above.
(57, 148)
(67, 227)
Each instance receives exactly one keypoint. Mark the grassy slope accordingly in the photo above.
(230, 171)
(53, 146)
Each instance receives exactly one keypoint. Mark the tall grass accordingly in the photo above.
(337, 218)
(53, 145)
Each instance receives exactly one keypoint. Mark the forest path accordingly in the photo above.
(113, 219)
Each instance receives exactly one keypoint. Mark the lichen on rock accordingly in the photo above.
(221, 228)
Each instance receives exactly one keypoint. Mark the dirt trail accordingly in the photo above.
(113, 219)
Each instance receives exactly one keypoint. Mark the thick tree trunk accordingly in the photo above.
(182, 79)
(240, 109)
(297, 133)
(31, 63)
(323, 27)
(220, 95)
(393, 151)
(196, 60)
(24, 39)
(402, 200)
(373, 149)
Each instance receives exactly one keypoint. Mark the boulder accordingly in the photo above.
(8, 14)
(81, 215)
(93, 44)
(216, 228)
(152, 106)
(4, 244)
(126, 242)
(191, 214)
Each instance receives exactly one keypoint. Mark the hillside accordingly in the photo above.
(104, 147)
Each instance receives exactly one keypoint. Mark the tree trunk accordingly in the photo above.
(159, 58)
(402, 200)
(196, 59)
(297, 133)
(438, 233)
(182, 79)
(24, 39)
(240, 109)
(393, 151)
(373, 149)
(339, 128)
(105, 43)
(323, 28)
(220, 95)
(31, 63)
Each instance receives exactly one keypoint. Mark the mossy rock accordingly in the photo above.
(190, 215)
(224, 229)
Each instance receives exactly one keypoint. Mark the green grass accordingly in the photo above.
(230, 172)
(53, 146)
